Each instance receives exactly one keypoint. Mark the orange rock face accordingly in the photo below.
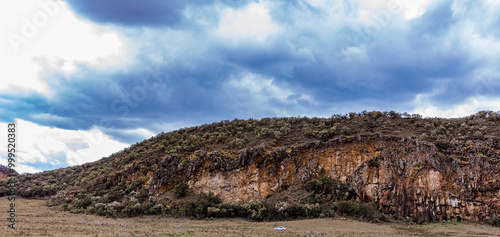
(402, 176)
(3, 176)
(5, 172)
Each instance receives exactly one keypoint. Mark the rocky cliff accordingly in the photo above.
(6, 172)
(426, 168)
(403, 176)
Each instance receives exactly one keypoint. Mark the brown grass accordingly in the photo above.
(36, 219)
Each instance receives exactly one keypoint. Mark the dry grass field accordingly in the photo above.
(35, 219)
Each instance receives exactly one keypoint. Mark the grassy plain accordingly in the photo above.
(33, 218)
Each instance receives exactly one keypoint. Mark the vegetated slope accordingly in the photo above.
(5, 172)
(429, 169)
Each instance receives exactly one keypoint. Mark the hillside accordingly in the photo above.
(5, 172)
(428, 169)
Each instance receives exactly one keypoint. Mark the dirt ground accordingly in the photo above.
(33, 218)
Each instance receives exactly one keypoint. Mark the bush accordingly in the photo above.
(99, 209)
(495, 222)
(180, 190)
(355, 209)
(419, 221)
(133, 210)
(143, 195)
(384, 218)
(295, 211)
(375, 161)
(82, 201)
(228, 209)
(311, 211)
(209, 206)
(313, 198)
(113, 195)
(138, 183)
(257, 210)
(199, 208)
(326, 185)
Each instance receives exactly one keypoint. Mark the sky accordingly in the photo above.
(83, 79)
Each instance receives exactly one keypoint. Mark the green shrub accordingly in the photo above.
(313, 198)
(311, 211)
(180, 190)
(495, 222)
(419, 221)
(199, 208)
(82, 201)
(384, 218)
(295, 211)
(132, 210)
(209, 206)
(138, 183)
(326, 185)
(99, 209)
(143, 195)
(355, 209)
(375, 161)
(187, 209)
(228, 209)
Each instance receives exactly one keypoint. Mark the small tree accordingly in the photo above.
(180, 190)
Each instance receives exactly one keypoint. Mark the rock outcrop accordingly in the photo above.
(6, 172)
(401, 175)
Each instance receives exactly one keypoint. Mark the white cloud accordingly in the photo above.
(261, 88)
(410, 9)
(261, 93)
(41, 38)
(57, 147)
(252, 23)
(168, 127)
(138, 132)
(425, 107)
(355, 54)
(414, 9)
(479, 46)
(49, 117)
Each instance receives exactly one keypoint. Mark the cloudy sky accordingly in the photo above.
(85, 78)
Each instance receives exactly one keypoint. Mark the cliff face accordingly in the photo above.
(402, 176)
(6, 173)
(430, 168)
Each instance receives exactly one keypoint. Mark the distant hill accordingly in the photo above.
(404, 165)
(6, 172)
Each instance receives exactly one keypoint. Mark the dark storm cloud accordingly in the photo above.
(316, 62)
(131, 12)
(137, 13)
